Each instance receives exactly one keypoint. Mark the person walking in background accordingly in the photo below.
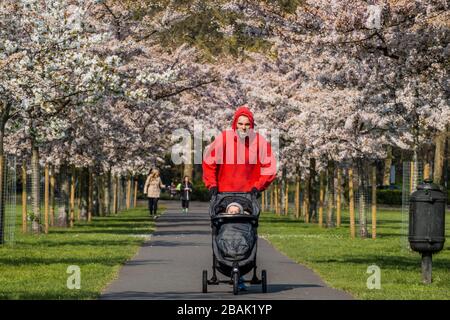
(152, 188)
(186, 190)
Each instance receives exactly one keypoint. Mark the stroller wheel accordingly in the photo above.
(264, 281)
(235, 283)
(205, 281)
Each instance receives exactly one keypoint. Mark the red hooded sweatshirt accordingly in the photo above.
(233, 164)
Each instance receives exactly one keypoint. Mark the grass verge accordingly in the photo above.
(343, 262)
(35, 267)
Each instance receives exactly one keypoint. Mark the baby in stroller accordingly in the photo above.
(236, 208)
(234, 222)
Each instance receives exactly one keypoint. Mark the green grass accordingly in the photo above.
(342, 262)
(35, 267)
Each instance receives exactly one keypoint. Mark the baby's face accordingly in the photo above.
(233, 210)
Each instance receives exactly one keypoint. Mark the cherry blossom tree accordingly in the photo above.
(103, 84)
(49, 68)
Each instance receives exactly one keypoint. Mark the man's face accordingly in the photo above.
(233, 210)
(243, 124)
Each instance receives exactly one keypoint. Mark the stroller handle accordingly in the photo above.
(236, 193)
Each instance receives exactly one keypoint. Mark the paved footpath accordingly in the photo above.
(169, 265)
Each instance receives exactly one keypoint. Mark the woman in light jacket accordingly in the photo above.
(186, 190)
(152, 188)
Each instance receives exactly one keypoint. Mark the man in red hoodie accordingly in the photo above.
(239, 160)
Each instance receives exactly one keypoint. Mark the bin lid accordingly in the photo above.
(428, 191)
(428, 184)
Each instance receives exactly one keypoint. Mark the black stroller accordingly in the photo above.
(234, 240)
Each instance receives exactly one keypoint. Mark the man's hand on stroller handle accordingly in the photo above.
(255, 192)
(213, 192)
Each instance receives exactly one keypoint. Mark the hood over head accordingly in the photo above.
(243, 111)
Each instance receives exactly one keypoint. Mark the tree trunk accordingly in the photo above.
(107, 192)
(78, 192)
(84, 194)
(2, 191)
(351, 202)
(100, 194)
(439, 155)
(35, 188)
(280, 197)
(188, 167)
(63, 209)
(128, 191)
(414, 173)
(131, 191)
(119, 193)
(90, 204)
(281, 193)
(52, 195)
(135, 192)
(312, 190)
(3, 118)
(5, 112)
(275, 198)
(277, 202)
(362, 215)
(46, 197)
(374, 202)
(263, 201)
(362, 201)
(338, 196)
(272, 198)
(447, 160)
(426, 171)
(123, 191)
(188, 170)
(297, 197)
(286, 198)
(330, 195)
(267, 197)
(115, 189)
(72, 196)
(306, 199)
(24, 197)
(97, 194)
(321, 197)
(387, 167)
